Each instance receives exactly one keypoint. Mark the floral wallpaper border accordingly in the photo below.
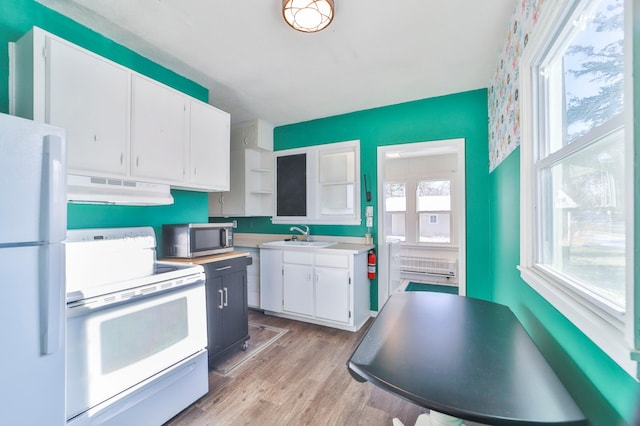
(504, 107)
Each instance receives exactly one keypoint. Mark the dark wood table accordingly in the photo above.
(464, 357)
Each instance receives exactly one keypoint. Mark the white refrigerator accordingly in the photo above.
(33, 221)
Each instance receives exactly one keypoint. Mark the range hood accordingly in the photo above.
(99, 190)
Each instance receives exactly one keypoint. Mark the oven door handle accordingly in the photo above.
(84, 307)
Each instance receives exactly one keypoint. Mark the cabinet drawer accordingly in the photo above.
(332, 260)
(299, 257)
(227, 266)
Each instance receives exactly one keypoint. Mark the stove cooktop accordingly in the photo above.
(117, 263)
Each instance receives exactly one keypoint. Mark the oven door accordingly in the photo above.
(112, 348)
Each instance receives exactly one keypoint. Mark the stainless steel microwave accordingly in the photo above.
(189, 240)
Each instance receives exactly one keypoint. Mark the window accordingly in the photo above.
(418, 210)
(395, 211)
(433, 205)
(318, 184)
(576, 174)
(337, 183)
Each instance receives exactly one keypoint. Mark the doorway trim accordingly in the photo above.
(427, 148)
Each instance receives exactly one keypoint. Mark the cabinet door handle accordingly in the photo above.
(221, 302)
(222, 268)
(226, 297)
(121, 157)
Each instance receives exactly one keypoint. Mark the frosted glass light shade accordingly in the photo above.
(308, 16)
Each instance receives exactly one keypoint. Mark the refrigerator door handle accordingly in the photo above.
(54, 194)
(53, 231)
(52, 278)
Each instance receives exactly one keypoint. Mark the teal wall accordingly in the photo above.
(605, 392)
(462, 115)
(16, 18)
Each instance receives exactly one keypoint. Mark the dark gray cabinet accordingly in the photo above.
(227, 311)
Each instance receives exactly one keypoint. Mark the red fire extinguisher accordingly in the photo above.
(371, 264)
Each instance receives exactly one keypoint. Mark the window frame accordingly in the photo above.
(314, 186)
(450, 212)
(386, 212)
(412, 214)
(614, 334)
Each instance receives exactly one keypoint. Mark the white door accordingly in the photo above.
(298, 289)
(32, 189)
(158, 131)
(271, 280)
(83, 85)
(209, 138)
(28, 376)
(332, 294)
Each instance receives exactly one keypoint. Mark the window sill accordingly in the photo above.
(604, 329)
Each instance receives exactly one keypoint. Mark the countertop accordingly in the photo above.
(353, 245)
(209, 259)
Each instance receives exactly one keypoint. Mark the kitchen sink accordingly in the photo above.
(292, 243)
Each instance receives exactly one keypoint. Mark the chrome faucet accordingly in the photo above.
(306, 233)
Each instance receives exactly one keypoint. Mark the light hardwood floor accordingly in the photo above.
(301, 379)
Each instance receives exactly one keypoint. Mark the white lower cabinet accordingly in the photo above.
(297, 282)
(271, 280)
(253, 277)
(332, 294)
(313, 286)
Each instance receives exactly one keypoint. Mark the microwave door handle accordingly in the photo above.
(224, 237)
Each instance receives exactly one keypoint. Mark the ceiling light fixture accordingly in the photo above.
(308, 16)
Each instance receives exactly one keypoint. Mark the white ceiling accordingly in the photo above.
(374, 53)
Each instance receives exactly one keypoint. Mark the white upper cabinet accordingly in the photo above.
(158, 131)
(209, 147)
(62, 84)
(255, 134)
(119, 123)
(99, 140)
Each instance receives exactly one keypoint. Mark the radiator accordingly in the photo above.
(425, 265)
